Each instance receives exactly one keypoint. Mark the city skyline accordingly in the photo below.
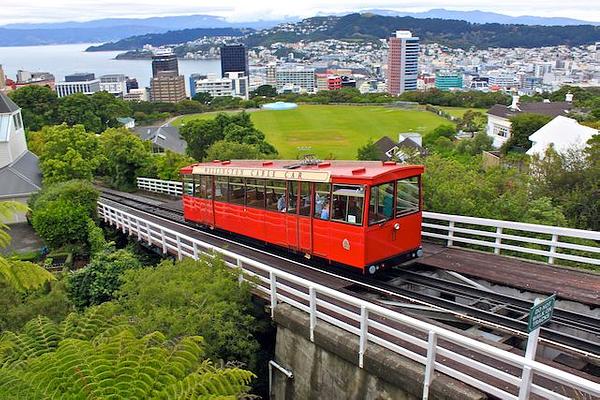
(30, 11)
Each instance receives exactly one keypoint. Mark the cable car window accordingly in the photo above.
(348, 203)
(381, 203)
(305, 199)
(322, 201)
(407, 196)
(292, 204)
(275, 193)
(255, 193)
(208, 185)
(236, 191)
(188, 184)
(221, 188)
(203, 186)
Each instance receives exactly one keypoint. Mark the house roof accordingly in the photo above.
(561, 133)
(551, 109)
(7, 106)
(22, 177)
(384, 145)
(166, 137)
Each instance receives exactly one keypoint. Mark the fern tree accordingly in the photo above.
(96, 356)
(20, 275)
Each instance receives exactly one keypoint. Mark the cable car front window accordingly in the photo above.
(381, 203)
(348, 203)
(188, 184)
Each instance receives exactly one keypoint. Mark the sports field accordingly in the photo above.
(334, 131)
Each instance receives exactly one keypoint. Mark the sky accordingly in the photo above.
(249, 10)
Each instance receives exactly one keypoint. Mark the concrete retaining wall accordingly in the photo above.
(328, 368)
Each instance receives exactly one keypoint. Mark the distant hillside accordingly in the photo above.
(452, 33)
(168, 38)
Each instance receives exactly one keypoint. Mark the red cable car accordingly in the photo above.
(363, 214)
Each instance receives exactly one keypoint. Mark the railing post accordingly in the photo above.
(498, 240)
(195, 247)
(163, 241)
(364, 331)
(179, 255)
(313, 311)
(450, 233)
(273, 292)
(530, 351)
(148, 234)
(240, 265)
(553, 245)
(430, 366)
(138, 229)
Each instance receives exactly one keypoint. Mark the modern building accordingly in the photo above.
(26, 78)
(448, 81)
(295, 79)
(2, 79)
(132, 83)
(348, 82)
(234, 58)
(137, 95)
(115, 84)
(233, 84)
(562, 134)
(167, 87)
(271, 74)
(502, 79)
(78, 83)
(498, 125)
(19, 168)
(164, 60)
(326, 81)
(193, 79)
(403, 62)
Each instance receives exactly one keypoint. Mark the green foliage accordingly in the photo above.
(96, 113)
(224, 150)
(202, 98)
(442, 131)
(189, 107)
(67, 153)
(100, 279)
(368, 152)
(472, 121)
(522, 126)
(200, 134)
(263, 91)
(7, 210)
(193, 298)
(38, 105)
(23, 275)
(471, 99)
(61, 213)
(125, 156)
(479, 143)
(167, 165)
(18, 307)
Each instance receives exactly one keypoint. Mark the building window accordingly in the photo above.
(17, 121)
(501, 131)
(348, 203)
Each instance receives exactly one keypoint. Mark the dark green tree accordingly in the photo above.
(125, 156)
(79, 109)
(38, 106)
(200, 135)
(521, 127)
(202, 98)
(368, 152)
(224, 150)
(108, 108)
(263, 91)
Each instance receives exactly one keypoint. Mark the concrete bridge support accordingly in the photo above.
(328, 367)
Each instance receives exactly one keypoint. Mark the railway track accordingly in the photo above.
(466, 303)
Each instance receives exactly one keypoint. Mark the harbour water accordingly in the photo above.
(61, 60)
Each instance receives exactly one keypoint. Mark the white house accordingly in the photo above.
(498, 125)
(20, 175)
(562, 134)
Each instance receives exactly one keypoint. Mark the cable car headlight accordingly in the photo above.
(396, 226)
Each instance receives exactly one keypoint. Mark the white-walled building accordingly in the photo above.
(20, 175)
(78, 83)
(299, 77)
(233, 84)
(562, 134)
(115, 84)
(498, 125)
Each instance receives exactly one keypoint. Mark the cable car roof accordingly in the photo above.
(317, 171)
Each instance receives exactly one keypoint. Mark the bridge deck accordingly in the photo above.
(570, 284)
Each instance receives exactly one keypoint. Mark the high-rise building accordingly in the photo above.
(271, 74)
(78, 83)
(164, 60)
(239, 84)
(132, 83)
(403, 62)
(295, 79)
(2, 79)
(167, 87)
(234, 58)
(233, 84)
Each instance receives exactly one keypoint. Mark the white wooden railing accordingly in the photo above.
(436, 348)
(552, 244)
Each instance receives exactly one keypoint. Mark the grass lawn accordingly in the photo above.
(334, 131)
(459, 111)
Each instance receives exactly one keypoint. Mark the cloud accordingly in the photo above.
(236, 10)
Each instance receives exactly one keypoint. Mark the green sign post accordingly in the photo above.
(541, 313)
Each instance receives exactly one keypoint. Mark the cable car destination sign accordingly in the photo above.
(541, 313)
(263, 173)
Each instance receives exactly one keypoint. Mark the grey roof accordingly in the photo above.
(22, 177)
(166, 137)
(384, 145)
(7, 106)
(551, 109)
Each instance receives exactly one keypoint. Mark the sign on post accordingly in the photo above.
(541, 313)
